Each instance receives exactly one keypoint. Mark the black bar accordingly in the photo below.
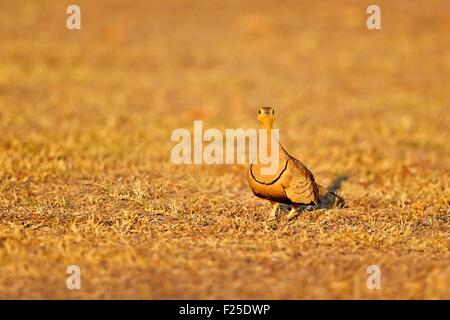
(228, 309)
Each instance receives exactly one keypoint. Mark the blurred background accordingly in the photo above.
(85, 123)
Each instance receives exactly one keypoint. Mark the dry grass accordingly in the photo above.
(85, 124)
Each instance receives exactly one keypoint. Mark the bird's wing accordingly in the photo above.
(300, 186)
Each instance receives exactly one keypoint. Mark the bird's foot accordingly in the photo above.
(273, 216)
(293, 213)
(272, 220)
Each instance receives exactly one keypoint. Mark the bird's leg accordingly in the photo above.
(274, 213)
(293, 213)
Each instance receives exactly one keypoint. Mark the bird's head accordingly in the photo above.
(266, 116)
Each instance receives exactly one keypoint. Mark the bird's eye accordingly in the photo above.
(259, 111)
(273, 111)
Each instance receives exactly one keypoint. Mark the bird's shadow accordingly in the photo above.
(327, 202)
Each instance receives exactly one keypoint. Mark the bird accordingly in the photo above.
(292, 183)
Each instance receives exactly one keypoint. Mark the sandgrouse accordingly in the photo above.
(292, 183)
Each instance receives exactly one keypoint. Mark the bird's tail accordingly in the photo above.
(338, 201)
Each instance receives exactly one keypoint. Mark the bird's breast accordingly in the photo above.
(268, 186)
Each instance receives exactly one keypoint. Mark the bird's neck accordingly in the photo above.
(268, 127)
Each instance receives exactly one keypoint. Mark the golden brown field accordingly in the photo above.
(85, 123)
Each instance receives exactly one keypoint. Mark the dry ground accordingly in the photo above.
(85, 124)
